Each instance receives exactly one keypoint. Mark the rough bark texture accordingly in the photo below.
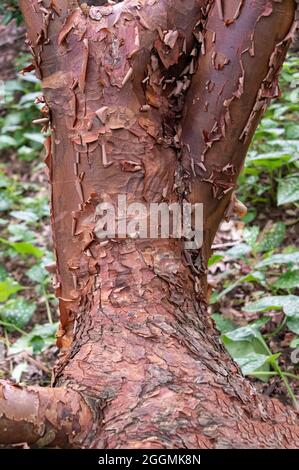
(139, 353)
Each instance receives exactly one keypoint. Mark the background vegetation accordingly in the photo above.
(254, 272)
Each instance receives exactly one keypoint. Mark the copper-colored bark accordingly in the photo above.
(136, 341)
(235, 81)
(41, 416)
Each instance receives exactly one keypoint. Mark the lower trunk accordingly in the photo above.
(141, 365)
(148, 356)
(147, 364)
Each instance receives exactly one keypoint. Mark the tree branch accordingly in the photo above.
(237, 77)
(43, 416)
(37, 16)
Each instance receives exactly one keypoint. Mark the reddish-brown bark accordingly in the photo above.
(137, 346)
(43, 416)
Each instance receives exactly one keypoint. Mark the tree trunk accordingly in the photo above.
(141, 365)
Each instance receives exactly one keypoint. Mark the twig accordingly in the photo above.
(36, 363)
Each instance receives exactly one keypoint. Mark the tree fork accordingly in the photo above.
(140, 358)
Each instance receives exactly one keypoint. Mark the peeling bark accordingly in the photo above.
(236, 79)
(157, 100)
(43, 417)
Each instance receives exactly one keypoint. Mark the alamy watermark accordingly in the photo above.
(150, 221)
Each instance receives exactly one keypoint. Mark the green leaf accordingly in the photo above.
(272, 238)
(37, 274)
(271, 160)
(248, 355)
(7, 141)
(26, 216)
(250, 235)
(251, 277)
(3, 273)
(4, 181)
(9, 287)
(223, 325)
(295, 343)
(293, 324)
(288, 190)
(250, 216)
(29, 98)
(284, 258)
(17, 311)
(245, 333)
(39, 339)
(248, 348)
(35, 137)
(20, 232)
(24, 248)
(215, 258)
(26, 153)
(30, 77)
(288, 303)
(251, 362)
(6, 202)
(288, 280)
(239, 251)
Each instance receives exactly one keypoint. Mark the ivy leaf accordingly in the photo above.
(245, 333)
(253, 362)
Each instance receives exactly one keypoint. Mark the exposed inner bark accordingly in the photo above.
(137, 346)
